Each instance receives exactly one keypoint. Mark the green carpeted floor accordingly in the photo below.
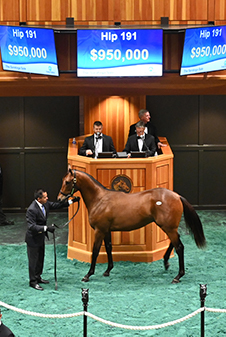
(134, 294)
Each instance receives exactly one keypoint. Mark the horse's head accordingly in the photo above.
(68, 187)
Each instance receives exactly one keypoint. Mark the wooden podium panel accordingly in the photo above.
(146, 244)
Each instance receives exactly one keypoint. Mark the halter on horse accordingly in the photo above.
(117, 211)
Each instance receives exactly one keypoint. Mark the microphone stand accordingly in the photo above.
(95, 144)
(148, 152)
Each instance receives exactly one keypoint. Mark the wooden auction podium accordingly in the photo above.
(142, 245)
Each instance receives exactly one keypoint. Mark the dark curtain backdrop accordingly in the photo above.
(33, 145)
(195, 129)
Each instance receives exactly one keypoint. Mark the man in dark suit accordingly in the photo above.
(36, 216)
(145, 117)
(141, 141)
(4, 331)
(96, 143)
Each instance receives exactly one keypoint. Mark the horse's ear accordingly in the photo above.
(69, 168)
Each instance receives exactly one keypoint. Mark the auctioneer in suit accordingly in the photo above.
(151, 130)
(148, 144)
(107, 146)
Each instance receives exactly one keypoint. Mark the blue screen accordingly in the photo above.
(29, 50)
(204, 50)
(119, 52)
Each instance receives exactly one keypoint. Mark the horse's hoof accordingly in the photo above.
(85, 279)
(175, 281)
(166, 265)
(106, 273)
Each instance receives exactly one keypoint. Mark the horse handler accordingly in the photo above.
(36, 216)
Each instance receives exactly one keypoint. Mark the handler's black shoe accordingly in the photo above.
(43, 281)
(36, 286)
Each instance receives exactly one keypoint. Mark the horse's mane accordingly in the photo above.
(95, 181)
(98, 183)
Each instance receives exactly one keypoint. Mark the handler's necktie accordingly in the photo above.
(43, 210)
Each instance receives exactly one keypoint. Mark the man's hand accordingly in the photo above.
(89, 152)
(161, 145)
(75, 199)
(51, 229)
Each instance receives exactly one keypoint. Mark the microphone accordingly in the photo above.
(98, 136)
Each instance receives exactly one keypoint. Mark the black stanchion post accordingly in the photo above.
(85, 300)
(203, 289)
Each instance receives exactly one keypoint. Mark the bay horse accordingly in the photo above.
(110, 210)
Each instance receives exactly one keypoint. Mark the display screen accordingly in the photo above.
(119, 52)
(204, 50)
(29, 50)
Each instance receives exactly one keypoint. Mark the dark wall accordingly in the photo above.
(195, 129)
(33, 145)
(35, 132)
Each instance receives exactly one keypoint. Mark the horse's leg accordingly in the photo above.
(96, 248)
(179, 247)
(167, 255)
(108, 246)
(180, 252)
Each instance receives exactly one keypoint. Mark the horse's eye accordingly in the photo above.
(67, 182)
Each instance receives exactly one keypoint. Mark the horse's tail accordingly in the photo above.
(193, 222)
